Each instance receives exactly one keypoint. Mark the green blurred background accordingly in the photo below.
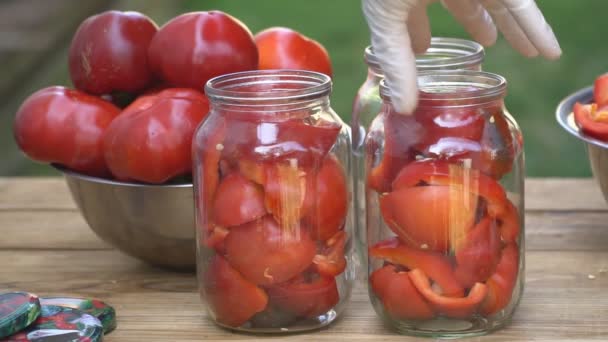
(535, 85)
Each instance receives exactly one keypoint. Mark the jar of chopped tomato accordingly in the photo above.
(445, 208)
(273, 208)
(443, 54)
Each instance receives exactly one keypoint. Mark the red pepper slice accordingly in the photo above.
(399, 297)
(478, 254)
(232, 298)
(401, 133)
(437, 172)
(509, 224)
(332, 262)
(306, 295)
(461, 307)
(435, 265)
(600, 90)
(215, 237)
(592, 120)
(502, 282)
(429, 217)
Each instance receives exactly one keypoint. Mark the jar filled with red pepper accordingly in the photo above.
(445, 208)
(443, 54)
(273, 202)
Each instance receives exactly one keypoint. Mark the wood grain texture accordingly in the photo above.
(46, 248)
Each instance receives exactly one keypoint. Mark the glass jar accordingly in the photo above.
(443, 54)
(444, 198)
(273, 210)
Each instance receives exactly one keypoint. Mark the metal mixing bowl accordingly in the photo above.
(596, 149)
(154, 223)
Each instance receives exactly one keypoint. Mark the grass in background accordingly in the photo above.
(535, 85)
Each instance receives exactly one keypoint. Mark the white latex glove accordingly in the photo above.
(400, 28)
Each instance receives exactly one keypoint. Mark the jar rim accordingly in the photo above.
(443, 53)
(268, 85)
(438, 87)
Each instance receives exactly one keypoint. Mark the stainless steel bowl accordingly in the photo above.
(596, 149)
(154, 223)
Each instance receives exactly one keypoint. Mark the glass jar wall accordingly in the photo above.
(443, 54)
(444, 197)
(273, 202)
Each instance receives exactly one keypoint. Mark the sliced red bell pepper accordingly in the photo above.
(401, 133)
(399, 297)
(443, 173)
(600, 90)
(461, 307)
(509, 224)
(306, 295)
(502, 282)
(331, 261)
(592, 120)
(215, 237)
(478, 254)
(435, 265)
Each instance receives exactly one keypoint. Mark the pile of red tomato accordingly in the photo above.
(272, 224)
(455, 245)
(592, 119)
(117, 56)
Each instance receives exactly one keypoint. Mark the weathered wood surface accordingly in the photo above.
(46, 248)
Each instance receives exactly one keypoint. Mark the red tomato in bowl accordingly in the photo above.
(64, 126)
(192, 48)
(151, 140)
(266, 254)
(284, 48)
(109, 53)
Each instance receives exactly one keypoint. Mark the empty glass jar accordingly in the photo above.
(444, 196)
(273, 202)
(443, 54)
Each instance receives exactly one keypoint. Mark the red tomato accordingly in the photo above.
(600, 90)
(109, 53)
(502, 282)
(305, 295)
(328, 193)
(478, 253)
(284, 48)
(399, 297)
(429, 216)
(64, 126)
(194, 47)
(230, 297)
(592, 120)
(237, 201)
(265, 254)
(151, 140)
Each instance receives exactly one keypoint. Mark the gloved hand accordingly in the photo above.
(400, 28)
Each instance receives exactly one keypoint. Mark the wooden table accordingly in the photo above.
(46, 248)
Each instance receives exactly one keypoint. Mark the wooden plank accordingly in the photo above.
(541, 194)
(44, 230)
(563, 194)
(66, 229)
(19, 193)
(560, 302)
